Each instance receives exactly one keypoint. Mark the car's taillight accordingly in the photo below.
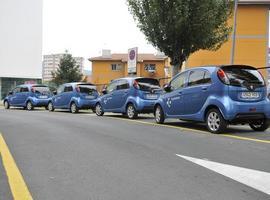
(136, 85)
(223, 77)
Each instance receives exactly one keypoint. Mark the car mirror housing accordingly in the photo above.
(10, 93)
(104, 91)
(167, 88)
(54, 92)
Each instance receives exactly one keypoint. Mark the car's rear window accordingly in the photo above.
(241, 75)
(41, 89)
(87, 89)
(147, 84)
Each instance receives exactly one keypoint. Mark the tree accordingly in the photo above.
(181, 27)
(68, 71)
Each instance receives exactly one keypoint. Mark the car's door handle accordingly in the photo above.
(180, 93)
(204, 88)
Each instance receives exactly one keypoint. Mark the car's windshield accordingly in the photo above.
(240, 76)
(41, 89)
(147, 84)
(86, 89)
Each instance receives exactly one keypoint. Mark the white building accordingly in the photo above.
(20, 43)
(51, 63)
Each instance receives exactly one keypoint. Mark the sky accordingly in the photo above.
(85, 27)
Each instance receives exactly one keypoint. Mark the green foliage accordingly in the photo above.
(181, 27)
(68, 71)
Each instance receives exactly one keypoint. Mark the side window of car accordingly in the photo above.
(207, 77)
(60, 89)
(24, 89)
(17, 90)
(112, 87)
(68, 88)
(179, 82)
(196, 77)
(122, 85)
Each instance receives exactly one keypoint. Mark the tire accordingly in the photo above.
(46, 108)
(73, 108)
(29, 106)
(260, 126)
(131, 112)
(215, 122)
(50, 107)
(159, 115)
(99, 110)
(6, 105)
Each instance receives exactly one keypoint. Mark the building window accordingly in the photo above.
(150, 67)
(116, 67)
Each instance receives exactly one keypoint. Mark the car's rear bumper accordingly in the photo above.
(86, 104)
(145, 106)
(40, 102)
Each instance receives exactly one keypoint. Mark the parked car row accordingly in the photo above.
(215, 95)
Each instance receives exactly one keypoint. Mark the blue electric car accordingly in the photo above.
(28, 96)
(74, 96)
(129, 96)
(218, 96)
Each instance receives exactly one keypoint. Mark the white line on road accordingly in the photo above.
(258, 180)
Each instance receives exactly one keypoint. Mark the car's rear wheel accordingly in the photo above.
(6, 105)
(50, 107)
(29, 105)
(73, 108)
(159, 115)
(131, 112)
(261, 125)
(215, 122)
(99, 110)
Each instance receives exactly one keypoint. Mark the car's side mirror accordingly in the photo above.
(104, 91)
(167, 88)
(10, 93)
(54, 92)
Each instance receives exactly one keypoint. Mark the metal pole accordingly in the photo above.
(234, 31)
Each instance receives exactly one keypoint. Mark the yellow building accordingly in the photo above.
(112, 66)
(252, 38)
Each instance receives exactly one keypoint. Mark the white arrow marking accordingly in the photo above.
(258, 180)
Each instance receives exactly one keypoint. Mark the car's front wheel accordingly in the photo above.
(50, 107)
(74, 108)
(99, 110)
(6, 105)
(159, 115)
(215, 122)
(261, 125)
(29, 105)
(131, 112)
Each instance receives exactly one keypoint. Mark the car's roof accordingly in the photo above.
(32, 85)
(131, 78)
(78, 83)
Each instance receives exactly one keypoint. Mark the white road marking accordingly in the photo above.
(258, 180)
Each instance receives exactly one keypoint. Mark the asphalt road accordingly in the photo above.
(82, 156)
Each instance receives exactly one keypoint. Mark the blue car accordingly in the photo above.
(28, 96)
(74, 96)
(218, 96)
(129, 96)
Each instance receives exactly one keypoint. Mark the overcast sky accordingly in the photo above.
(85, 27)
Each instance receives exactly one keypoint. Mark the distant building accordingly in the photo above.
(51, 63)
(21, 43)
(112, 66)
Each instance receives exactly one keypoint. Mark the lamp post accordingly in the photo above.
(234, 31)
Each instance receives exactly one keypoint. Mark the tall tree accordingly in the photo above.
(68, 71)
(181, 27)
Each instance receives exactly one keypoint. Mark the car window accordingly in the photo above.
(86, 89)
(17, 90)
(41, 89)
(24, 89)
(112, 86)
(122, 85)
(199, 77)
(68, 88)
(179, 82)
(60, 89)
(147, 84)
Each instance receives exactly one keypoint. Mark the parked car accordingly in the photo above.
(74, 96)
(28, 96)
(218, 96)
(129, 96)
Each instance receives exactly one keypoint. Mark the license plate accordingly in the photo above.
(151, 96)
(250, 95)
(43, 97)
(89, 97)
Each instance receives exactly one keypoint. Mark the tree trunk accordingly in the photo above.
(176, 69)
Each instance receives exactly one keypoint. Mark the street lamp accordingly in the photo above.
(234, 31)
